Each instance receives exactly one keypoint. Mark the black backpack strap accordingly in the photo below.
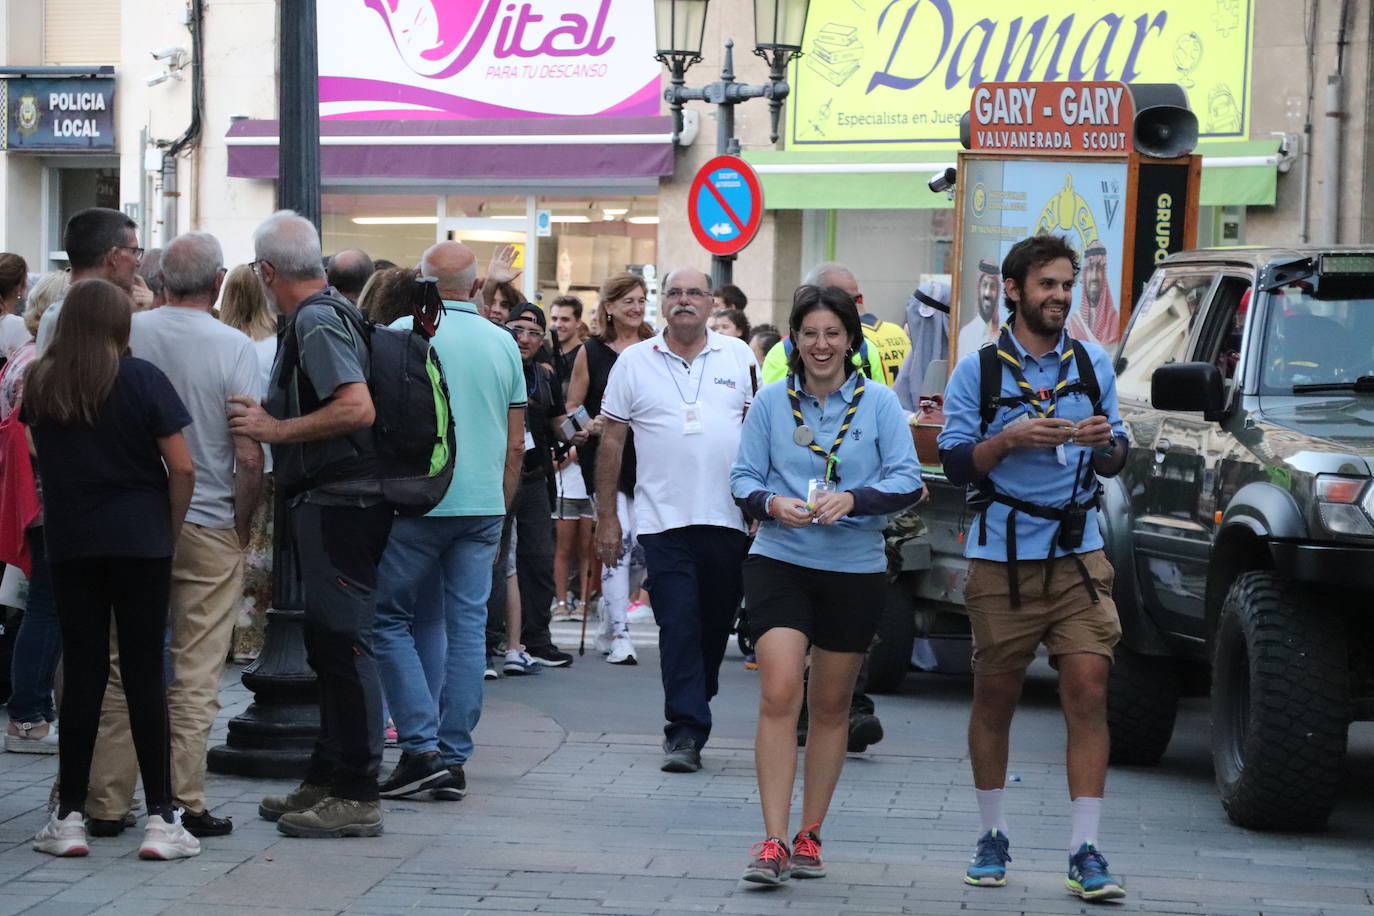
(989, 385)
(1087, 377)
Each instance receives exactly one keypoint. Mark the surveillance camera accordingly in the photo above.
(942, 181)
(157, 78)
(167, 53)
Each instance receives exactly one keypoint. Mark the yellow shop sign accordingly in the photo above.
(887, 73)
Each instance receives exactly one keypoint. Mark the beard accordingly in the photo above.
(1035, 321)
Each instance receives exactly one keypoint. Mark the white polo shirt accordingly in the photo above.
(683, 476)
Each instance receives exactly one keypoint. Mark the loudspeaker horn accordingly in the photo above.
(1165, 128)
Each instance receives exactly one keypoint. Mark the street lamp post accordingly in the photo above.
(779, 26)
(274, 736)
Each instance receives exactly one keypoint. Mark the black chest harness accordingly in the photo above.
(1072, 518)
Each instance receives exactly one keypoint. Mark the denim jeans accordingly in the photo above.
(530, 517)
(695, 581)
(457, 551)
(38, 645)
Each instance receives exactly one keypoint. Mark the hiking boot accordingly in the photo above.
(806, 853)
(165, 840)
(414, 773)
(206, 824)
(622, 651)
(306, 796)
(771, 863)
(1088, 876)
(334, 817)
(683, 756)
(864, 729)
(63, 836)
(99, 826)
(988, 867)
(453, 787)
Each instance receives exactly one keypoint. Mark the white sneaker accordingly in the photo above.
(622, 651)
(639, 612)
(65, 837)
(163, 840)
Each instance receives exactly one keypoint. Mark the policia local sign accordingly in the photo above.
(69, 114)
(883, 74)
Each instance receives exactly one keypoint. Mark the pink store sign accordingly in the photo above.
(408, 59)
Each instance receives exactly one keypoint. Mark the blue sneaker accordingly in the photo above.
(988, 867)
(1089, 878)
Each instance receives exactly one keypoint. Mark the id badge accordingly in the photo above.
(1061, 456)
(815, 486)
(691, 420)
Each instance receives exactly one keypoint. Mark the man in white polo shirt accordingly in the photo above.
(684, 393)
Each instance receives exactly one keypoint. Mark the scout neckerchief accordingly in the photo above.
(1036, 400)
(805, 437)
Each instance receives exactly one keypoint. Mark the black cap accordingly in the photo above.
(529, 312)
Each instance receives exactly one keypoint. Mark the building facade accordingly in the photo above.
(485, 122)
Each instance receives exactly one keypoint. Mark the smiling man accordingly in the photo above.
(1033, 465)
(684, 393)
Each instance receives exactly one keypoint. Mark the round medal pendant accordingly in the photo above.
(803, 436)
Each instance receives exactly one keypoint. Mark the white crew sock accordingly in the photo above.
(992, 809)
(1086, 813)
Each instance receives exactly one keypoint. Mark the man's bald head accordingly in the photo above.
(687, 278)
(455, 267)
(348, 272)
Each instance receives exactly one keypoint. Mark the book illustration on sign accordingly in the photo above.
(836, 52)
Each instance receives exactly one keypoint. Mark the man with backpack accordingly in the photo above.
(436, 573)
(1031, 423)
(317, 418)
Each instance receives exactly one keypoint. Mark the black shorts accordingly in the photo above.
(837, 611)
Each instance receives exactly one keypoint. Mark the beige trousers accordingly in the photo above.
(207, 584)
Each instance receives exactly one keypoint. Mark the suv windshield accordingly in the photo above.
(1324, 343)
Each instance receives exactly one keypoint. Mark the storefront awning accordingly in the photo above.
(1233, 174)
(495, 151)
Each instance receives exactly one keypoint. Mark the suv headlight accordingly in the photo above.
(1345, 504)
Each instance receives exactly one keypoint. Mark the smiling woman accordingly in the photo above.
(816, 573)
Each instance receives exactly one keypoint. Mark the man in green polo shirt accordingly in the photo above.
(436, 571)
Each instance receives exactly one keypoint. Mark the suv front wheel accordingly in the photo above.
(1280, 705)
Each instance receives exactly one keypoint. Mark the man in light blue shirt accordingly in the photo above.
(434, 578)
(1037, 573)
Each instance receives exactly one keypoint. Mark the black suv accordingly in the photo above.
(1242, 528)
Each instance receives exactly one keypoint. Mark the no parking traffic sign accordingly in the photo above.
(725, 205)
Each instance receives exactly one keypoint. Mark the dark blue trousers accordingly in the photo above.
(694, 579)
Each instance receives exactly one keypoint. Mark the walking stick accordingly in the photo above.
(587, 561)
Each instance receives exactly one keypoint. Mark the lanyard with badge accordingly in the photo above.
(1037, 400)
(691, 410)
(804, 436)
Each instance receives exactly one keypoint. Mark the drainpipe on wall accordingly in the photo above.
(1331, 212)
(170, 197)
(1331, 209)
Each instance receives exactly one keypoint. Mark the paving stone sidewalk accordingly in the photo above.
(585, 823)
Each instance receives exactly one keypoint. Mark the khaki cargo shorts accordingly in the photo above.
(1059, 613)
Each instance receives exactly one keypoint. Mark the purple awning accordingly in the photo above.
(495, 150)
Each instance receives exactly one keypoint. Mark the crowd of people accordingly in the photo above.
(713, 475)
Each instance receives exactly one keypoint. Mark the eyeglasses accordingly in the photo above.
(256, 266)
(694, 293)
(138, 252)
(532, 333)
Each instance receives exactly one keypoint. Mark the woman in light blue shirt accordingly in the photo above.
(824, 458)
